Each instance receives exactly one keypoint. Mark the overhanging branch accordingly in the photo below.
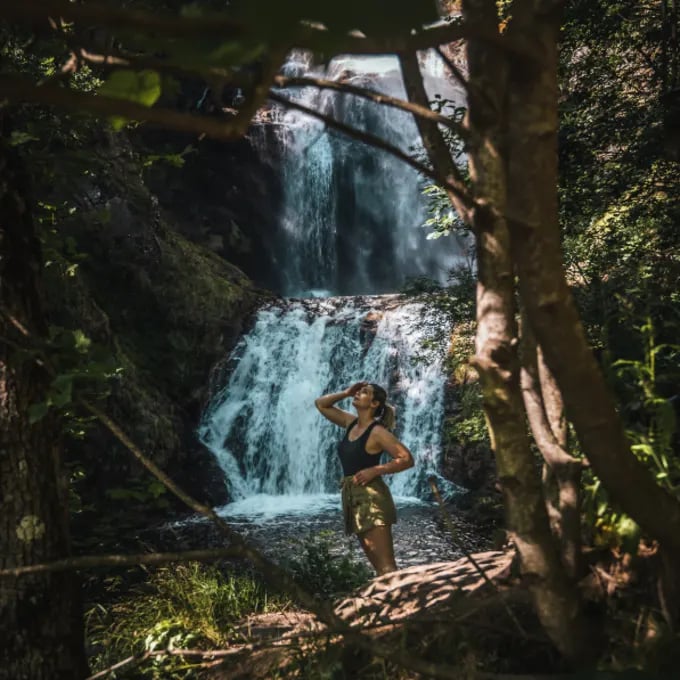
(378, 97)
(21, 90)
(92, 561)
(372, 140)
(302, 35)
(437, 150)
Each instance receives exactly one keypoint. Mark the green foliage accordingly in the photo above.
(149, 493)
(180, 607)
(619, 217)
(443, 220)
(651, 416)
(142, 87)
(651, 429)
(79, 364)
(323, 573)
(617, 188)
(469, 425)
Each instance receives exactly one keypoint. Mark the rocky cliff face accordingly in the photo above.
(225, 197)
(129, 273)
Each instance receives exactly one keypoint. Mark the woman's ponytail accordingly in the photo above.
(388, 419)
(385, 413)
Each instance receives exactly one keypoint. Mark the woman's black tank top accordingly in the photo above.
(353, 455)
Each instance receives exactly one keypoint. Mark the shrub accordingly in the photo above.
(190, 605)
(322, 572)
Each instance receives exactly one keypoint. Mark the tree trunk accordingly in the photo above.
(533, 221)
(562, 472)
(556, 602)
(40, 619)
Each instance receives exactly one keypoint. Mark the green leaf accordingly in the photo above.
(37, 411)
(81, 341)
(142, 87)
(629, 533)
(62, 390)
(18, 137)
(156, 488)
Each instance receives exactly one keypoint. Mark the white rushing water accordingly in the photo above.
(263, 427)
(351, 215)
(349, 223)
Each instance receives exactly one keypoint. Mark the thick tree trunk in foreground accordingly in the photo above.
(556, 602)
(40, 619)
(532, 205)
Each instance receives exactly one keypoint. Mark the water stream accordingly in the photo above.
(263, 427)
(350, 226)
(352, 215)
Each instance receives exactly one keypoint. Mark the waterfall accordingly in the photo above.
(263, 426)
(352, 215)
(349, 224)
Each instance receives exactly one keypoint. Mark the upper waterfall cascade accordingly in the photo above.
(351, 216)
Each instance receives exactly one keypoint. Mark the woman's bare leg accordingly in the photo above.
(378, 546)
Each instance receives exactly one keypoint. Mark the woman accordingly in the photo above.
(367, 504)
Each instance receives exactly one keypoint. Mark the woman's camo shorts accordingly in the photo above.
(365, 507)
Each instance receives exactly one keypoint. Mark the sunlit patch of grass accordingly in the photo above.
(179, 607)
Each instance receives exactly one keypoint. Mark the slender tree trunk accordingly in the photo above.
(532, 207)
(433, 140)
(496, 360)
(40, 619)
(562, 472)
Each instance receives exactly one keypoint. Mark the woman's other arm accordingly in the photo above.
(401, 457)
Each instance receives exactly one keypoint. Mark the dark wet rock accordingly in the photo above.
(368, 330)
(471, 466)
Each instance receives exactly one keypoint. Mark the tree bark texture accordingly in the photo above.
(532, 174)
(40, 619)
(562, 472)
(433, 140)
(556, 602)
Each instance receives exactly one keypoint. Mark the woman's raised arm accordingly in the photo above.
(336, 415)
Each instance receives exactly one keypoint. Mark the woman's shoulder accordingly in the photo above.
(379, 429)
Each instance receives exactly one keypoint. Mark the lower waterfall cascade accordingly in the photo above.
(263, 427)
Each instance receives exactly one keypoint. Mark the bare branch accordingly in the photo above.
(92, 561)
(260, 91)
(374, 96)
(19, 90)
(461, 193)
(456, 72)
(137, 659)
(305, 35)
(122, 59)
(433, 140)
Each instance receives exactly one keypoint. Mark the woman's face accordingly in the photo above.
(364, 398)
